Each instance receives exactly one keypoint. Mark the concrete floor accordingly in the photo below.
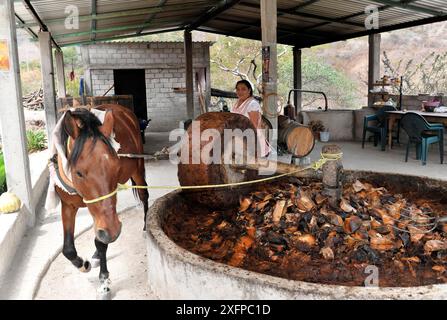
(127, 256)
(156, 141)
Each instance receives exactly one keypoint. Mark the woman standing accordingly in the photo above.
(249, 107)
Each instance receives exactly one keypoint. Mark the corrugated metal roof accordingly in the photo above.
(300, 22)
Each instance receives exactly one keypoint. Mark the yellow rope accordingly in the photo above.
(316, 166)
(111, 194)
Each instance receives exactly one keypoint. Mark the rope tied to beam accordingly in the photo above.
(325, 157)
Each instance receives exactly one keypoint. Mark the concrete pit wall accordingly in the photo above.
(175, 273)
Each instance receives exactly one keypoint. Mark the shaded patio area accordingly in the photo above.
(129, 279)
(393, 161)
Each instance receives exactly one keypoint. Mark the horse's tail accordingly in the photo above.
(135, 191)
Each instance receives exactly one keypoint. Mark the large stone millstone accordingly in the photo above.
(190, 174)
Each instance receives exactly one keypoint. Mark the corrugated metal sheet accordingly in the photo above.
(312, 21)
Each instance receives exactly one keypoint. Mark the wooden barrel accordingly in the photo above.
(298, 138)
(205, 173)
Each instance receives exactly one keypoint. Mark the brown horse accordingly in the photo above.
(96, 170)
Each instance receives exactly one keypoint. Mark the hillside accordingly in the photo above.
(351, 56)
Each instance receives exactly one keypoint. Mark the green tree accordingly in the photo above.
(233, 59)
(426, 75)
(72, 63)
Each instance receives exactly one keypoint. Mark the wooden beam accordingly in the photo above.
(20, 21)
(152, 16)
(36, 17)
(318, 17)
(269, 65)
(160, 23)
(304, 4)
(128, 13)
(189, 76)
(211, 13)
(133, 35)
(305, 15)
(257, 24)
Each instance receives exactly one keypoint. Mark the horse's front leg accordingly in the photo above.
(69, 250)
(104, 292)
(101, 250)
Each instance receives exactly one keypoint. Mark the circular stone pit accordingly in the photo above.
(175, 273)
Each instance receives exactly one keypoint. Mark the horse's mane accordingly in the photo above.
(89, 129)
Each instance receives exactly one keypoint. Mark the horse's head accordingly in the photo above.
(95, 168)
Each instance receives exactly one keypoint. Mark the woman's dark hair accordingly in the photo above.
(247, 84)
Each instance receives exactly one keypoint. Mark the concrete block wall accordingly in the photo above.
(164, 64)
(102, 80)
(166, 108)
(340, 123)
(347, 125)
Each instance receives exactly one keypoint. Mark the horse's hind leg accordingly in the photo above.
(95, 260)
(69, 250)
(143, 194)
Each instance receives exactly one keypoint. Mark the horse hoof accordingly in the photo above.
(104, 294)
(86, 267)
(95, 262)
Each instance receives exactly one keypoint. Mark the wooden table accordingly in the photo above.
(435, 117)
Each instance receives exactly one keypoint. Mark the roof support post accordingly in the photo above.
(373, 64)
(60, 71)
(49, 91)
(14, 143)
(189, 77)
(297, 78)
(269, 65)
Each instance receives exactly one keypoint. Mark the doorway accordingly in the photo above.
(132, 82)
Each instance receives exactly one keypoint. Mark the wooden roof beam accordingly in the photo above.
(257, 24)
(132, 35)
(306, 15)
(152, 16)
(222, 6)
(36, 17)
(128, 13)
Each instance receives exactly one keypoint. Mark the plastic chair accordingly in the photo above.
(381, 129)
(423, 134)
